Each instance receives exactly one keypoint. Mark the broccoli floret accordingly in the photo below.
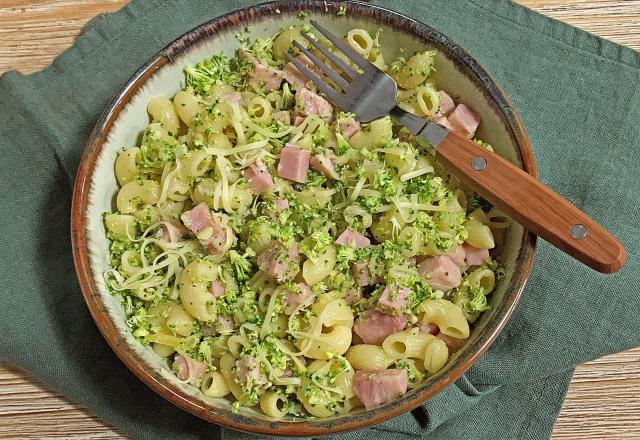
(242, 266)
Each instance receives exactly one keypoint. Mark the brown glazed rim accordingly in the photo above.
(240, 18)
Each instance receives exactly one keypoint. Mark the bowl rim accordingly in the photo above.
(240, 17)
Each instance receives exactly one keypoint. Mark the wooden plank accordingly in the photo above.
(603, 401)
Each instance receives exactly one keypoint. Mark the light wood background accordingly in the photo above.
(604, 398)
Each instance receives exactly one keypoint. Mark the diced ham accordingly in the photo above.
(361, 274)
(258, 177)
(475, 256)
(262, 74)
(429, 328)
(310, 103)
(294, 77)
(374, 326)
(265, 75)
(294, 251)
(353, 239)
(188, 369)
(394, 299)
(281, 204)
(444, 121)
(324, 166)
(216, 289)
(172, 231)
(353, 296)
(464, 120)
(297, 120)
(442, 273)
(453, 344)
(234, 97)
(211, 234)
(280, 263)
(458, 255)
(248, 371)
(349, 127)
(224, 324)
(375, 388)
(446, 103)
(294, 163)
(301, 296)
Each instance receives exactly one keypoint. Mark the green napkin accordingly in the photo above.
(580, 101)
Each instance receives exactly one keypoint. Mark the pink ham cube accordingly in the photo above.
(249, 373)
(211, 234)
(172, 231)
(280, 263)
(361, 274)
(310, 103)
(232, 97)
(444, 121)
(431, 328)
(353, 239)
(353, 295)
(464, 120)
(294, 163)
(324, 166)
(375, 388)
(441, 272)
(216, 289)
(458, 255)
(374, 326)
(188, 369)
(301, 297)
(262, 74)
(475, 256)
(224, 324)
(446, 103)
(453, 344)
(393, 299)
(281, 204)
(293, 76)
(267, 76)
(349, 127)
(258, 177)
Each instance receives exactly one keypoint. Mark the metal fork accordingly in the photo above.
(370, 94)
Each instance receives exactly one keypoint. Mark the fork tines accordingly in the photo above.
(349, 71)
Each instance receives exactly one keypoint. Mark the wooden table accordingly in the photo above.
(604, 398)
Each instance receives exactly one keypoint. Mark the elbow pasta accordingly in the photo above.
(369, 357)
(270, 246)
(360, 41)
(125, 167)
(407, 344)
(162, 110)
(214, 385)
(436, 355)
(194, 293)
(446, 315)
(134, 194)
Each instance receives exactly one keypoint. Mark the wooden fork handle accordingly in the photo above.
(532, 204)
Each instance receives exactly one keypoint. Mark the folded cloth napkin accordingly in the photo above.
(579, 97)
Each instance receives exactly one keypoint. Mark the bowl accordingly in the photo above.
(126, 116)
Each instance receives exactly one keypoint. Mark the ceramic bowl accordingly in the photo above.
(125, 118)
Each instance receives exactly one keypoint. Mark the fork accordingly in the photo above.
(371, 94)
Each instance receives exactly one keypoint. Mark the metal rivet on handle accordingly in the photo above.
(478, 163)
(578, 231)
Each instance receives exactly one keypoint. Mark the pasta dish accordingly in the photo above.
(280, 254)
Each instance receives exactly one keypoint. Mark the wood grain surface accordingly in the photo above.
(603, 402)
